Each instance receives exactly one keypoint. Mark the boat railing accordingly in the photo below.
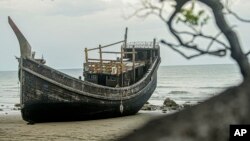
(128, 90)
(152, 68)
(142, 44)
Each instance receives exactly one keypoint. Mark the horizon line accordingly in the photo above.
(160, 66)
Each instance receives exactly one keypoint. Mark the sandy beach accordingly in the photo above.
(13, 128)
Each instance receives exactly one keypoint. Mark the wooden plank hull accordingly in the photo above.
(48, 95)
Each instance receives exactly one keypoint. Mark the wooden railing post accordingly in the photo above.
(122, 66)
(100, 52)
(154, 44)
(86, 55)
(125, 40)
(133, 50)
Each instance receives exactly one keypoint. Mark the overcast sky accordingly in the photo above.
(61, 29)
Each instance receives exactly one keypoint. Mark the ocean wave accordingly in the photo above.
(178, 92)
(168, 87)
(10, 86)
(10, 90)
(211, 87)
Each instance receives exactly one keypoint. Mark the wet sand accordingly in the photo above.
(12, 127)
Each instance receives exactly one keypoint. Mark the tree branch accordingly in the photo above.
(234, 13)
(247, 53)
(219, 52)
(213, 39)
(147, 9)
(217, 7)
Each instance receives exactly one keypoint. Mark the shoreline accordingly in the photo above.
(12, 127)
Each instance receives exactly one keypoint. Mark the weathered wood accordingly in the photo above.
(25, 47)
(86, 55)
(122, 66)
(125, 37)
(100, 52)
(93, 59)
(133, 50)
(106, 45)
(52, 75)
(111, 60)
(50, 95)
(154, 44)
(79, 99)
(113, 52)
(126, 40)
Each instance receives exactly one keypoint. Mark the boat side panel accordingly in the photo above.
(82, 86)
(43, 101)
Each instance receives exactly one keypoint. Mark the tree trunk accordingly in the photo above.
(208, 121)
(236, 50)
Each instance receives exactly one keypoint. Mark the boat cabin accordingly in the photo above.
(134, 61)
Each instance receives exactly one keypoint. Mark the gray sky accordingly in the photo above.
(60, 29)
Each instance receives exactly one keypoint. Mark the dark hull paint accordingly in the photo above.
(49, 95)
(43, 101)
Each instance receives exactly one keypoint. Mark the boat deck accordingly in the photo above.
(111, 68)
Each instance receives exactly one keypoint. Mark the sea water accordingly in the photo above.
(183, 84)
(194, 84)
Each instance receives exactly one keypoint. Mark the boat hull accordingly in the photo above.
(49, 95)
(43, 100)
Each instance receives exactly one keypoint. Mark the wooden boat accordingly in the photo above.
(111, 87)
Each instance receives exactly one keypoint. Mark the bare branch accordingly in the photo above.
(238, 17)
(235, 46)
(219, 52)
(213, 39)
(190, 44)
(148, 8)
(170, 21)
(217, 9)
(190, 26)
(247, 53)
(234, 13)
(173, 47)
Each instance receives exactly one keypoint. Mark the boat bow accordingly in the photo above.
(25, 47)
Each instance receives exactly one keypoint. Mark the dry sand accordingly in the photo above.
(13, 128)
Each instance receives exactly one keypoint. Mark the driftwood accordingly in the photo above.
(208, 121)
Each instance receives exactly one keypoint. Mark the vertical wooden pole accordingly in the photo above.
(154, 42)
(151, 56)
(86, 55)
(125, 40)
(100, 52)
(122, 65)
(133, 50)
